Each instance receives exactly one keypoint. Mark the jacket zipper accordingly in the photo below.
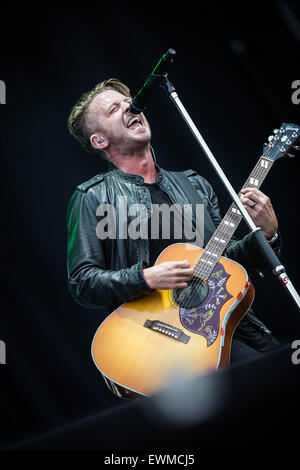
(144, 251)
(259, 323)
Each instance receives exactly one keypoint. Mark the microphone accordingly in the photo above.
(138, 104)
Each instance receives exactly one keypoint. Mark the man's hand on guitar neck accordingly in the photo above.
(259, 207)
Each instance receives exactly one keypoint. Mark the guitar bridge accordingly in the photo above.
(167, 330)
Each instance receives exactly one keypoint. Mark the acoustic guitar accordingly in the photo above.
(140, 346)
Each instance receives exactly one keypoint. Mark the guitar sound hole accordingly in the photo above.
(192, 295)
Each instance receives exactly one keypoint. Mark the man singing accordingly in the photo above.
(107, 271)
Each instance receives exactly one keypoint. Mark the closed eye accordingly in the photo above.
(116, 106)
(112, 110)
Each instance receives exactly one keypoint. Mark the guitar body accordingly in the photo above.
(141, 345)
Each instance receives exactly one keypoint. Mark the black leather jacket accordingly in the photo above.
(107, 273)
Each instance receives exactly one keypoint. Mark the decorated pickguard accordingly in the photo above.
(204, 319)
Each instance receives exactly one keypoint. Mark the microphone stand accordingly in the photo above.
(259, 237)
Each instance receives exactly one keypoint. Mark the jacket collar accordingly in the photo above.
(137, 179)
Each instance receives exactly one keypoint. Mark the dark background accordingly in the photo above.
(233, 71)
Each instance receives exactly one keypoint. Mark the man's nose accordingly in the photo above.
(126, 107)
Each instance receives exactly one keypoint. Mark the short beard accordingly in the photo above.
(131, 147)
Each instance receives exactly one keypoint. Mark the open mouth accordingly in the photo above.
(134, 122)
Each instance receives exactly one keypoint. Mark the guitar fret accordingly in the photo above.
(221, 240)
(254, 181)
(211, 254)
(226, 222)
(264, 163)
(207, 261)
(234, 210)
(260, 171)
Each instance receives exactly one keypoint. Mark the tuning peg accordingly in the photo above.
(290, 155)
(270, 138)
(275, 131)
(296, 147)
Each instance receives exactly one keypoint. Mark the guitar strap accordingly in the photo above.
(194, 197)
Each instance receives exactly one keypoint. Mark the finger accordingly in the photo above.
(182, 279)
(253, 190)
(184, 272)
(256, 195)
(182, 264)
(251, 195)
(249, 202)
(180, 285)
(251, 211)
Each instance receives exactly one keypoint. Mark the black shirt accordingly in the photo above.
(165, 226)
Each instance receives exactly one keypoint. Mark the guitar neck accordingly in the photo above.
(221, 237)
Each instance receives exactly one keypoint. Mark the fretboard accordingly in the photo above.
(220, 239)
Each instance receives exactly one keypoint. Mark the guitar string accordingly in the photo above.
(205, 272)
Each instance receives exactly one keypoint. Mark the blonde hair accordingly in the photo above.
(81, 122)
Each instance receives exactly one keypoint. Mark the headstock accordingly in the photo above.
(282, 141)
